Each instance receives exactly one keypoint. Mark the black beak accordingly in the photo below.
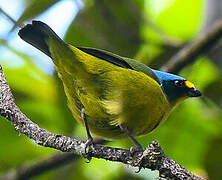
(193, 92)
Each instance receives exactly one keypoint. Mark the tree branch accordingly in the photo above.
(29, 170)
(52, 162)
(152, 158)
(189, 53)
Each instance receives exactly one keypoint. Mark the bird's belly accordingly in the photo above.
(114, 98)
(138, 123)
(138, 120)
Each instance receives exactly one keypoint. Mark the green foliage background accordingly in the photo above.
(152, 31)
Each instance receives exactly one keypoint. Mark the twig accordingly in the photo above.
(7, 15)
(153, 157)
(45, 165)
(29, 170)
(190, 52)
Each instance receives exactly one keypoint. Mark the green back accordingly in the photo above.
(120, 61)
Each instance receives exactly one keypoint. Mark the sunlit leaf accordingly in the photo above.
(34, 8)
(179, 18)
(108, 25)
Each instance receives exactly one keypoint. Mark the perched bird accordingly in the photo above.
(112, 96)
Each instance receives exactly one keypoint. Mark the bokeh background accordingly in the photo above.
(151, 31)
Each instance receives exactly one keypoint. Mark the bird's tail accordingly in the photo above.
(37, 34)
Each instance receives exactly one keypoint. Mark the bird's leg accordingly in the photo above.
(89, 140)
(89, 137)
(139, 147)
(128, 133)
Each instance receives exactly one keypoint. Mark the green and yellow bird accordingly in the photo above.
(112, 96)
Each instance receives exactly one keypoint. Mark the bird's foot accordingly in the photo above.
(134, 151)
(153, 153)
(87, 144)
(89, 140)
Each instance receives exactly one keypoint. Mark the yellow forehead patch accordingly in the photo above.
(189, 84)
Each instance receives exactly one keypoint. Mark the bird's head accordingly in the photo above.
(175, 87)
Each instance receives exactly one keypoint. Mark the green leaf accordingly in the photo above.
(180, 19)
(108, 25)
(33, 9)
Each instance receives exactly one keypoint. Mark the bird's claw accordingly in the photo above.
(153, 153)
(134, 150)
(88, 143)
(140, 167)
(140, 162)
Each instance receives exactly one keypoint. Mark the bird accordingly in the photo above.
(114, 97)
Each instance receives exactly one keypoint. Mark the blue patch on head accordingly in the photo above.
(163, 76)
(167, 83)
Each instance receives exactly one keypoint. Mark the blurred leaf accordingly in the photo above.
(102, 170)
(12, 152)
(214, 13)
(206, 76)
(213, 159)
(33, 9)
(178, 18)
(215, 55)
(201, 73)
(111, 25)
(31, 84)
(213, 91)
(155, 55)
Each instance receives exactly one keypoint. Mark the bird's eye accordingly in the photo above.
(179, 83)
